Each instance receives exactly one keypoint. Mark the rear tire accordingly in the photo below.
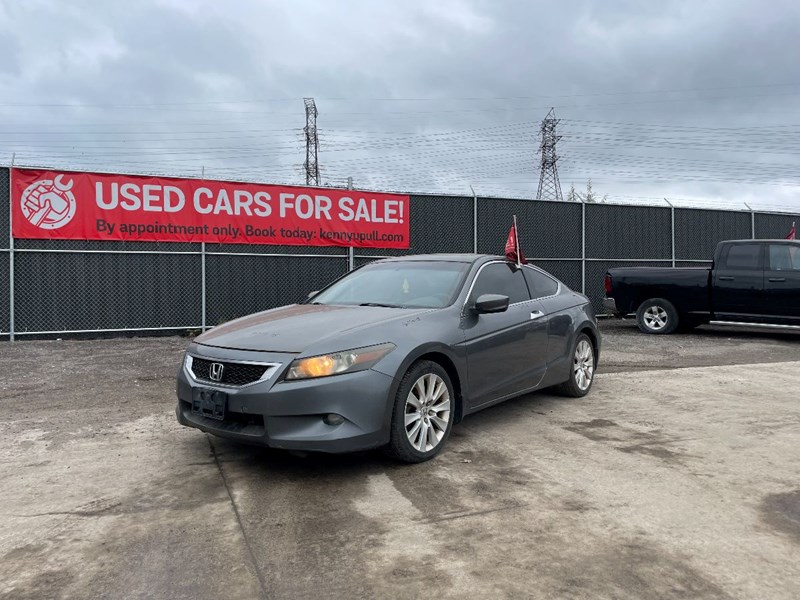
(423, 413)
(582, 368)
(657, 316)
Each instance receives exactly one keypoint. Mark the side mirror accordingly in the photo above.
(312, 294)
(491, 303)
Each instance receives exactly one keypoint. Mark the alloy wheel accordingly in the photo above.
(655, 318)
(584, 364)
(427, 412)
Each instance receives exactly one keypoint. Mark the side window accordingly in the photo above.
(744, 257)
(500, 278)
(541, 285)
(784, 257)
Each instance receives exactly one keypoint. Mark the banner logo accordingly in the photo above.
(49, 203)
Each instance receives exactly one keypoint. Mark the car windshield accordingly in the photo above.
(408, 284)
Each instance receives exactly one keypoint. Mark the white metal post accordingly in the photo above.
(11, 253)
(752, 221)
(203, 286)
(203, 271)
(672, 226)
(351, 259)
(474, 220)
(583, 247)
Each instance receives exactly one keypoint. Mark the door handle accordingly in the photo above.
(536, 314)
(725, 278)
(777, 279)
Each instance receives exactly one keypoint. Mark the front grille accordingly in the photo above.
(235, 374)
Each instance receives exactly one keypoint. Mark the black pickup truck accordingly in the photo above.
(750, 281)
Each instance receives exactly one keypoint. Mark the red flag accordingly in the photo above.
(513, 252)
(792, 234)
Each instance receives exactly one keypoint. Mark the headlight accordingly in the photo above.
(347, 361)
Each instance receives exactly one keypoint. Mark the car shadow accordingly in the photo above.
(305, 464)
(272, 462)
(783, 335)
(541, 402)
(629, 327)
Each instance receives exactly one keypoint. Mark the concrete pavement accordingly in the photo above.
(676, 483)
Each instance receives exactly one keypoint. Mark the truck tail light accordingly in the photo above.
(607, 284)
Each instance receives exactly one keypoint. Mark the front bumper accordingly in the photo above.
(290, 414)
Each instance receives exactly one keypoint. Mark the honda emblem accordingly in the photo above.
(215, 371)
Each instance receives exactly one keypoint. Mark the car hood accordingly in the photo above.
(294, 328)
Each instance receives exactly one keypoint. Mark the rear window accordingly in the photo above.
(784, 257)
(744, 256)
(541, 285)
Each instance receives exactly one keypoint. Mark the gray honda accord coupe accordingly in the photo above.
(391, 355)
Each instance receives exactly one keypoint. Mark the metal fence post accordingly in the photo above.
(474, 221)
(202, 271)
(203, 286)
(752, 221)
(351, 259)
(672, 220)
(11, 252)
(583, 247)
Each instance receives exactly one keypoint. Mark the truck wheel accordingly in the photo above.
(657, 316)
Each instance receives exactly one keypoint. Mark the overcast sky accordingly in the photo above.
(689, 100)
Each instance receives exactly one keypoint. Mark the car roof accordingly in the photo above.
(464, 258)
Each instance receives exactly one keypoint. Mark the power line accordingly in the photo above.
(395, 99)
(409, 112)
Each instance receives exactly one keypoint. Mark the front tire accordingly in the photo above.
(423, 413)
(581, 374)
(657, 316)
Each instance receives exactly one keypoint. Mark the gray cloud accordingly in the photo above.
(693, 100)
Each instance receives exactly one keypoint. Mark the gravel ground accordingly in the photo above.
(60, 380)
(625, 348)
(683, 485)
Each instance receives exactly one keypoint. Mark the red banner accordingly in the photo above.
(93, 206)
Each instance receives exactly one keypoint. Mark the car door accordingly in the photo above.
(506, 352)
(738, 284)
(544, 289)
(782, 282)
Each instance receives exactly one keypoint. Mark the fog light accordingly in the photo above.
(333, 419)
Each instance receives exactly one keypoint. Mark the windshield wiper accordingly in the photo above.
(380, 304)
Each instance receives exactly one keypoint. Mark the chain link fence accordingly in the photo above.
(70, 286)
(5, 252)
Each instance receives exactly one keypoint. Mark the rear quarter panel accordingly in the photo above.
(565, 311)
(565, 326)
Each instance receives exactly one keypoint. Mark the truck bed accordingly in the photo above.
(687, 287)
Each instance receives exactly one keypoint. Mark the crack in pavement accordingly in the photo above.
(73, 513)
(262, 584)
(474, 513)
